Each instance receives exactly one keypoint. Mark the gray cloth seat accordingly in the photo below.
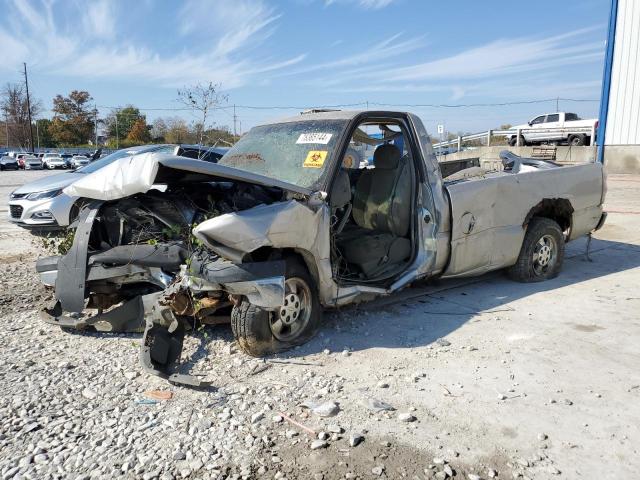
(382, 213)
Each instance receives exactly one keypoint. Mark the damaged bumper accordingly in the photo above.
(200, 292)
(261, 282)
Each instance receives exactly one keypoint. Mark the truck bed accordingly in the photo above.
(489, 213)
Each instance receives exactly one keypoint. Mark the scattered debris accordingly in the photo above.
(325, 409)
(443, 342)
(310, 431)
(259, 368)
(406, 417)
(376, 405)
(355, 439)
(317, 444)
(159, 395)
(378, 470)
(89, 394)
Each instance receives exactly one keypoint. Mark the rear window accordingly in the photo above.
(571, 117)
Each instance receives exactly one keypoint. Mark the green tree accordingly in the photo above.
(119, 124)
(43, 132)
(73, 119)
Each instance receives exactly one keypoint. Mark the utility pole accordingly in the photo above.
(26, 83)
(117, 141)
(235, 132)
(95, 122)
(6, 128)
(557, 102)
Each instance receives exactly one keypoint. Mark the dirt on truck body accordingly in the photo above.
(310, 212)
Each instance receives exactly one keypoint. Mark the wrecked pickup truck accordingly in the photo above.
(294, 220)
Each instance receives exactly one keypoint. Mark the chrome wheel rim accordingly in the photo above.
(544, 254)
(288, 321)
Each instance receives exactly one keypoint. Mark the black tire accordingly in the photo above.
(534, 263)
(253, 327)
(513, 141)
(576, 140)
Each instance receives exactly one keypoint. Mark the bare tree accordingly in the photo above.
(202, 99)
(13, 103)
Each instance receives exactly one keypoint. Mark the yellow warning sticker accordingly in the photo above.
(315, 159)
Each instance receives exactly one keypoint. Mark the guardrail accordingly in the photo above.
(590, 131)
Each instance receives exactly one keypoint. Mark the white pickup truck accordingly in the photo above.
(555, 128)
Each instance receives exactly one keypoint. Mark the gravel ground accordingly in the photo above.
(476, 379)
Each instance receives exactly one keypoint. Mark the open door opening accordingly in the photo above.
(372, 200)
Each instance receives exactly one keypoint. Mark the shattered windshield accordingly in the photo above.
(295, 152)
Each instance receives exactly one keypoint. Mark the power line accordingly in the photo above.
(368, 103)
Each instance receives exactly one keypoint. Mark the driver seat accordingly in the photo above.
(382, 213)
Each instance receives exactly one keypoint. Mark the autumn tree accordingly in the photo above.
(13, 103)
(178, 131)
(159, 130)
(202, 100)
(139, 132)
(73, 119)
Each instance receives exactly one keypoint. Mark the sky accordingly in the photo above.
(293, 54)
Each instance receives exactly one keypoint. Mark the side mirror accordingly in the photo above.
(530, 123)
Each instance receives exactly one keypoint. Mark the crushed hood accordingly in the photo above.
(138, 173)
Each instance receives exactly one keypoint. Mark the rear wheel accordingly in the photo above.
(260, 332)
(576, 140)
(541, 254)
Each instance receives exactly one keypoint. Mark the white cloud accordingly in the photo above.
(366, 4)
(99, 19)
(225, 36)
(506, 61)
(504, 56)
(233, 25)
(370, 55)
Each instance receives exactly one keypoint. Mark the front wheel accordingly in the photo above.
(260, 332)
(541, 254)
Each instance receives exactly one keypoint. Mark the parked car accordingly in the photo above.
(20, 159)
(67, 159)
(31, 162)
(285, 226)
(53, 161)
(8, 163)
(78, 161)
(555, 128)
(41, 204)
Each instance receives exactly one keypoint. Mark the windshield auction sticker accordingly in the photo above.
(315, 159)
(322, 138)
